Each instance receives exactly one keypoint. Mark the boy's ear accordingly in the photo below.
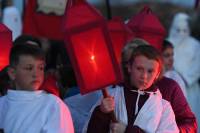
(11, 73)
(129, 68)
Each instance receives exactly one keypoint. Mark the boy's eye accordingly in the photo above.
(140, 69)
(28, 68)
(41, 68)
(167, 55)
(150, 71)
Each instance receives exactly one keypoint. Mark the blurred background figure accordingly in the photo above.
(168, 60)
(11, 18)
(186, 58)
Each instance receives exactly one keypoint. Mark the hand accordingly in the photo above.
(118, 127)
(107, 104)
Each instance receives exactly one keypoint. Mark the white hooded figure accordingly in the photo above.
(12, 19)
(187, 59)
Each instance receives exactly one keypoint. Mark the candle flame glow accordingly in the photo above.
(92, 57)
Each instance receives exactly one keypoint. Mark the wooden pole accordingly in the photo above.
(109, 14)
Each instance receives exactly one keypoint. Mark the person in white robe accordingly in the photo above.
(144, 120)
(153, 115)
(186, 58)
(25, 108)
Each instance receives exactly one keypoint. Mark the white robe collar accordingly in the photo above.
(20, 95)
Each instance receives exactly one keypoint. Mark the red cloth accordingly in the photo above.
(147, 26)
(49, 85)
(41, 25)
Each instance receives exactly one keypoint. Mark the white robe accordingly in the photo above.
(34, 112)
(156, 115)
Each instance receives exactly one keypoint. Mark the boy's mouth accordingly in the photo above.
(142, 82)
(35, 82)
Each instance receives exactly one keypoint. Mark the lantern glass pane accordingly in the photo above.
(93, 58)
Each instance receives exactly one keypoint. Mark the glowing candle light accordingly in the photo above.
(92, 57)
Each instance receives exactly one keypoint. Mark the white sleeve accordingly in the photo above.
(59, 120)
(192, 73)
(167, 122)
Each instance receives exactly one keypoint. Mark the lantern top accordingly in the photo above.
(146, 21)
(79, 13)
(115, 23)
(147, 26)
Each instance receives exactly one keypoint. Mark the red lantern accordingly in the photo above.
(89, 46)
(5, 46)
(147, 26)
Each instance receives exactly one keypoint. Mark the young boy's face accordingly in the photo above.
(28, 73)
(143, 72)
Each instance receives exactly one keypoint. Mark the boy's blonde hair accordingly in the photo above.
(126, 54)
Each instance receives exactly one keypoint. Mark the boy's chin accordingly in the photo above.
(142, 87)
(32, 89)
(35, 88)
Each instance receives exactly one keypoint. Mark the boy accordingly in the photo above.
(170, 91)
(138, 104)
(25, 108)
(168, 61)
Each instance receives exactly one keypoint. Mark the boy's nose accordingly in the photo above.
(35, 73)
(144, 75)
